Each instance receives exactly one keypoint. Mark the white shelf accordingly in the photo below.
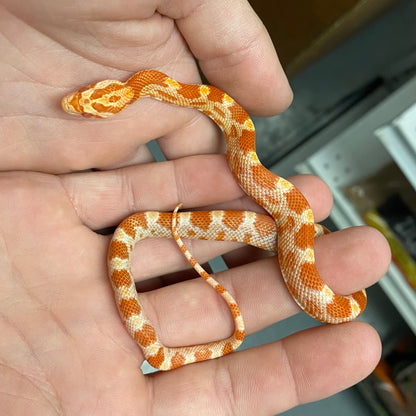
(399, 139)
(357, 153)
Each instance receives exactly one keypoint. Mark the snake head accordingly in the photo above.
(102, 99)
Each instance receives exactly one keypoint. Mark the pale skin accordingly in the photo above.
(63, 348)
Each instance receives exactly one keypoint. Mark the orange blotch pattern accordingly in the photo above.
(215, 95)
(308, 274)
(227, 348)
(234, 221)
(234, 310)
(178, 360)
(339, 307)
(129, 227)
(145, 336)
(129, 307)
(304, 236)
(239, 335)
(203, 354)
(120, 278)
(202, 220)
(295, 201)
(360, 298)
(118, 249)
(156, 360)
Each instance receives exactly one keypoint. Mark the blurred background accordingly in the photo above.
(352, 66)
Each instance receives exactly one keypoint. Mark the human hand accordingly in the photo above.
(52, 48)
(73, 355)
(64, 349)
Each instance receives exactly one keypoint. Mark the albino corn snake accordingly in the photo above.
(290, 222)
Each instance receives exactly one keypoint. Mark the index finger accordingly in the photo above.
(234, 51)
(269, 379)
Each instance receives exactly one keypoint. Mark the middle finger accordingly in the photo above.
(191, 312)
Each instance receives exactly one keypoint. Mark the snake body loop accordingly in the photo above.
(290, 229)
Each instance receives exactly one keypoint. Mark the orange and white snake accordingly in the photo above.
(290, 223)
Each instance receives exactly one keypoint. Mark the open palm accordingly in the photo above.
(65, 351)
(63, 348)
(51, 48)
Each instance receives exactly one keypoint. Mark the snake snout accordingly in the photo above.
(71, 104)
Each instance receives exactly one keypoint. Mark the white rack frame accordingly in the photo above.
(357, 153)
